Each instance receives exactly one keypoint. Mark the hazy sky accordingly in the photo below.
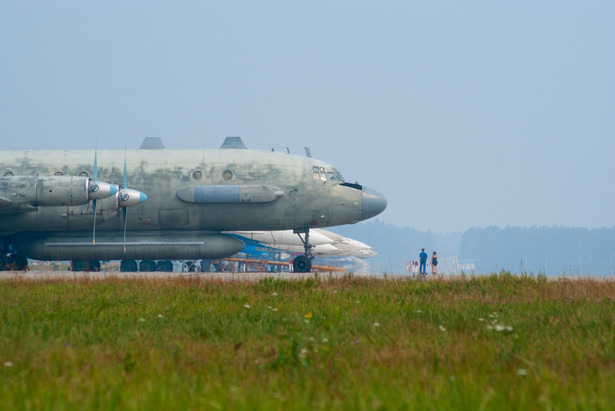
(462, 113)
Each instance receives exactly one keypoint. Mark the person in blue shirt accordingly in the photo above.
(423, 262)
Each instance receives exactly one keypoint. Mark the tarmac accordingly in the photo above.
(245, 276)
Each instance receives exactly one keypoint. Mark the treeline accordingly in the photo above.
(548, 250)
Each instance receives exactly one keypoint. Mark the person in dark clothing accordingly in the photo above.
(423, 261)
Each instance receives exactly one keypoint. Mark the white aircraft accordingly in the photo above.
(323, 243)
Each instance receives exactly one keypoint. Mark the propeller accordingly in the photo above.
(128, 197)
(98, 190)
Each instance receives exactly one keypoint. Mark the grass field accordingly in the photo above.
(491, 342)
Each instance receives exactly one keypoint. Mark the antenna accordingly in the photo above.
(308, 152)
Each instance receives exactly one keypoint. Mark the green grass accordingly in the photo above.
(493, 342)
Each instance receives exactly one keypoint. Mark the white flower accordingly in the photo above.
(247, 306)
(502, 327)
(441, 328)
(8, 364)
(274, 293)
(521, 372)
(325, 340)
(376, 324)
(141, 320)
(160, 316)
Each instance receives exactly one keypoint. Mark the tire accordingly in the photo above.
(302, 264)
(148, 266)
(128, 266)
(78, 265)
(4, 261)
(94, 265)
(165, 266)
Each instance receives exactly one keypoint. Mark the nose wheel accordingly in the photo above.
(303, 263)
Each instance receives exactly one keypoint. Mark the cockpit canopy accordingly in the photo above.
(323, 174)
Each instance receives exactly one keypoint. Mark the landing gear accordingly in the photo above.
(128, 266)
(85, 265)
(16, 262)
(303, 263)
(165, 266)
(148, 266)
(189, 266)
(11, 260)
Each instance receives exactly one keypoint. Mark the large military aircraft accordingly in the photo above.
(156, 204)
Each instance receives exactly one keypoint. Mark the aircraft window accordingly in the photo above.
(315, 173)
(227, 175)
(339, 176)
(331, 176)
(83, 174)
(323, 174)
(197, 175)
(58, 173)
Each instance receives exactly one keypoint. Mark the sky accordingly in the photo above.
(462, 113)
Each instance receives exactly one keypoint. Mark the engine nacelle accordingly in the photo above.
(35, 191)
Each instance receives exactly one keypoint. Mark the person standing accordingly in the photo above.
(423, 262)
(434, 263)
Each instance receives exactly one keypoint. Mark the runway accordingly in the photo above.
(248, 276)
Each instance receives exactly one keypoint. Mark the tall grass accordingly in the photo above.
(498, 341)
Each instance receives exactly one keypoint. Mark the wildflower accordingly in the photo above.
(247, 306)
(522, 372)
(502, 327)
(160, 316)
(303, 353)
(417, 311)
(141, 320)
(325, 340)
(8, 364)
(274, 293)
(442, 328)
(376, 324)
(481, 319)
(309, 315)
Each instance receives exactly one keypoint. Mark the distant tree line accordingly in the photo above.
(547, 250)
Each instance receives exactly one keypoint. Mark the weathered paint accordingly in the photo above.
(287, 195)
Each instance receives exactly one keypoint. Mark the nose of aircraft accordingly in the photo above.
(374, 203)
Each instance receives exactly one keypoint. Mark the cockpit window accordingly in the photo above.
(321, 174)
(315, 174)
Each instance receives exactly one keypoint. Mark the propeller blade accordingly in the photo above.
(98, 190)
(124, 213)
(128, 197)
(94, 225)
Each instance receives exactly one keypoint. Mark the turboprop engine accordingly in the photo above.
(26, 193)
